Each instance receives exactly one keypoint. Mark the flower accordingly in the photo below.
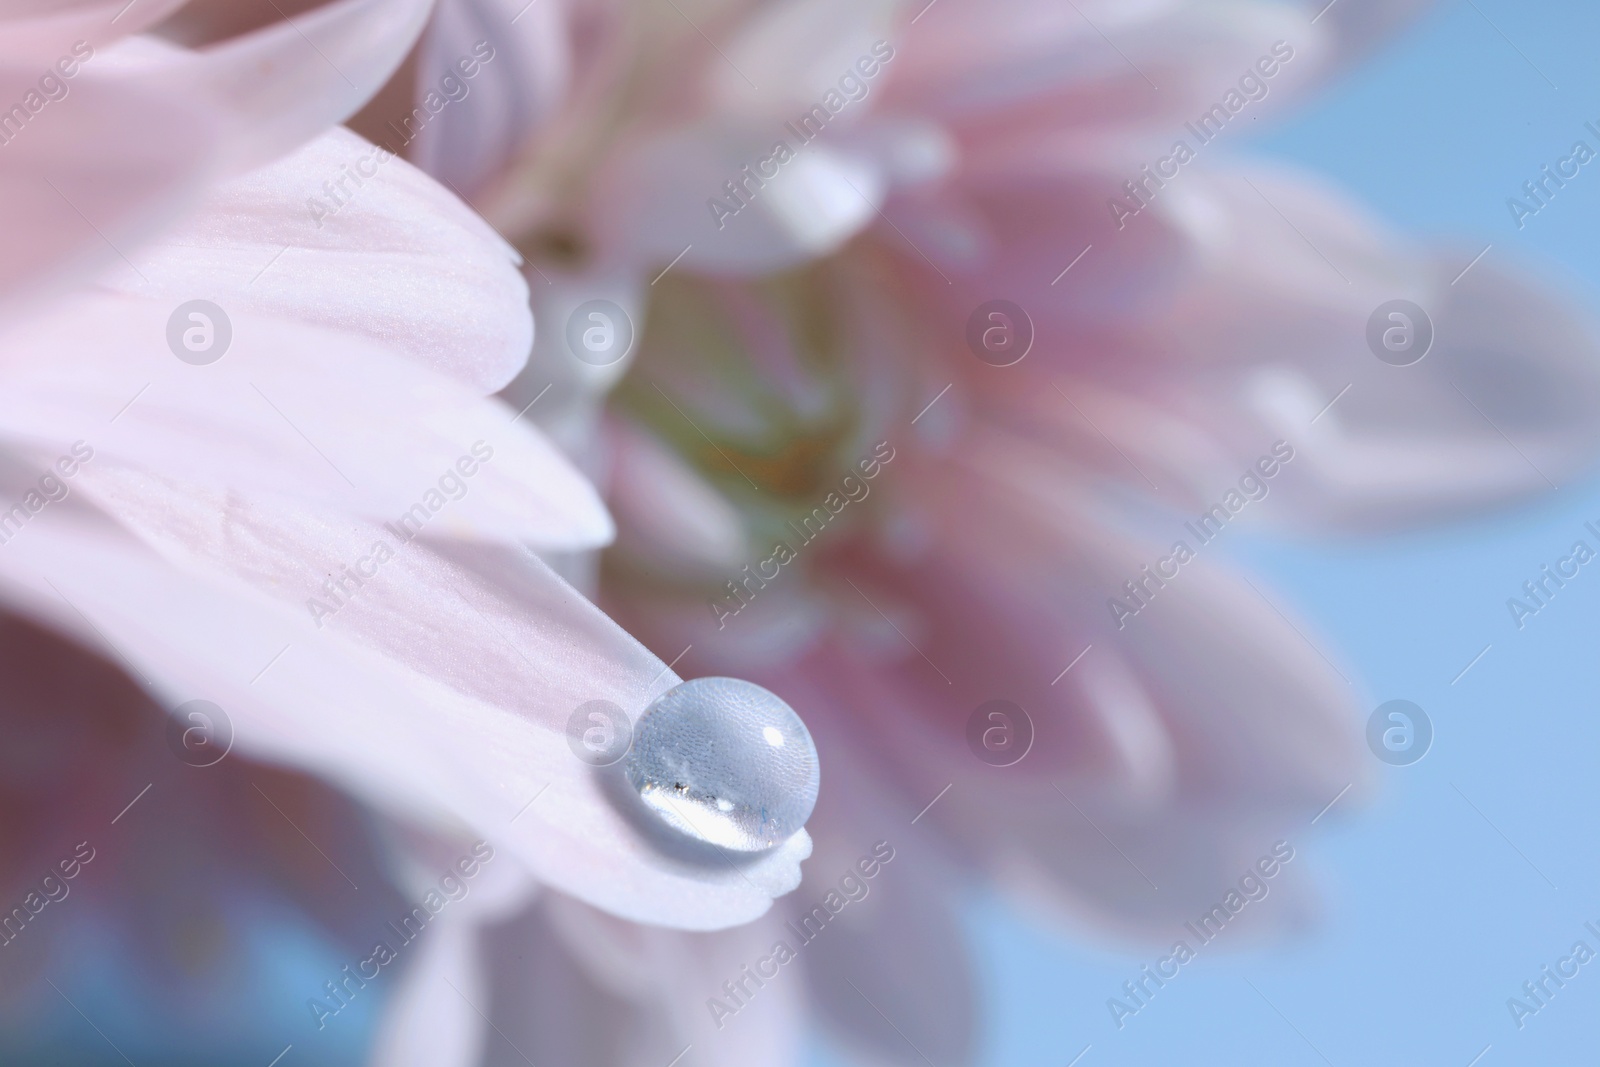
(251, 460)
(804, 304)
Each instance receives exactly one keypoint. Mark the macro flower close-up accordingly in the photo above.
(708, 533)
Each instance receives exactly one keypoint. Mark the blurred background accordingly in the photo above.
(1477, 866)
(1436, 895)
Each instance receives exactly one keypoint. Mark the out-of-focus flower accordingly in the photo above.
(250, 457)
(806, 314)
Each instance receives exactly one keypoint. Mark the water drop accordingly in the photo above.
(724, 761)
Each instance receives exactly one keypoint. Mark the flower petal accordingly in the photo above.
(1271, 320)
(35, 32)
(675, 519)
(667, 196)
(522, 82)
(671, 980)
(289, 81)
(435, 1016)
(899, 948)
(440, 690)
(347, 235)
(63, 213)
(796, 51)
(1206, 709)
(292, 411)
(1016, 71)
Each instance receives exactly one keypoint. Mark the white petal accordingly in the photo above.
(432, 1017)
(344, 234)
(293, 411)
(90, 175)
(1271, 322)
(435, 1016)
(660, 200)
(36, 32)
(290, 80)
(440, 690)
(674, 518)
(468, 144)
(794, 52)
(671, 977)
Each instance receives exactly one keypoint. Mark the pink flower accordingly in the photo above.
(251, 459)
(1198, 340)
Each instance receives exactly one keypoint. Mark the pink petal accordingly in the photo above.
(440, 691)
(897, 946)
(559, 392)
(291, 80)
(1017, 71)
(1270, 318)
(655, 200)
(513, 93)
(87, 177)
(289, 410)
(346, 235)
(668, 978)
(1206, 706)
(789, 55)
(435, 1017)
(674, 517)
(35, 32)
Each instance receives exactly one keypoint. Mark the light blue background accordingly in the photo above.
(1431, 919)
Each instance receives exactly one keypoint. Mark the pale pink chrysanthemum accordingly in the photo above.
(330, 530)
(800, 321)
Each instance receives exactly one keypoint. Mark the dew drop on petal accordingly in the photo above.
(724, 761)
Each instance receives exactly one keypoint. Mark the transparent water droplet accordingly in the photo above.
(724, 761)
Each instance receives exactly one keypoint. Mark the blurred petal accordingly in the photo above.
(1264, 337)
(436, 1017)
(673, 978)
(1207, 707)
(1500, 409)
(545, 1007)
(898, 949)
(467, 144)
(62, 214)
(1015, 71)
(675, 518)
(38, 32)
(657, 201)
(795, 51)
(289, 81)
